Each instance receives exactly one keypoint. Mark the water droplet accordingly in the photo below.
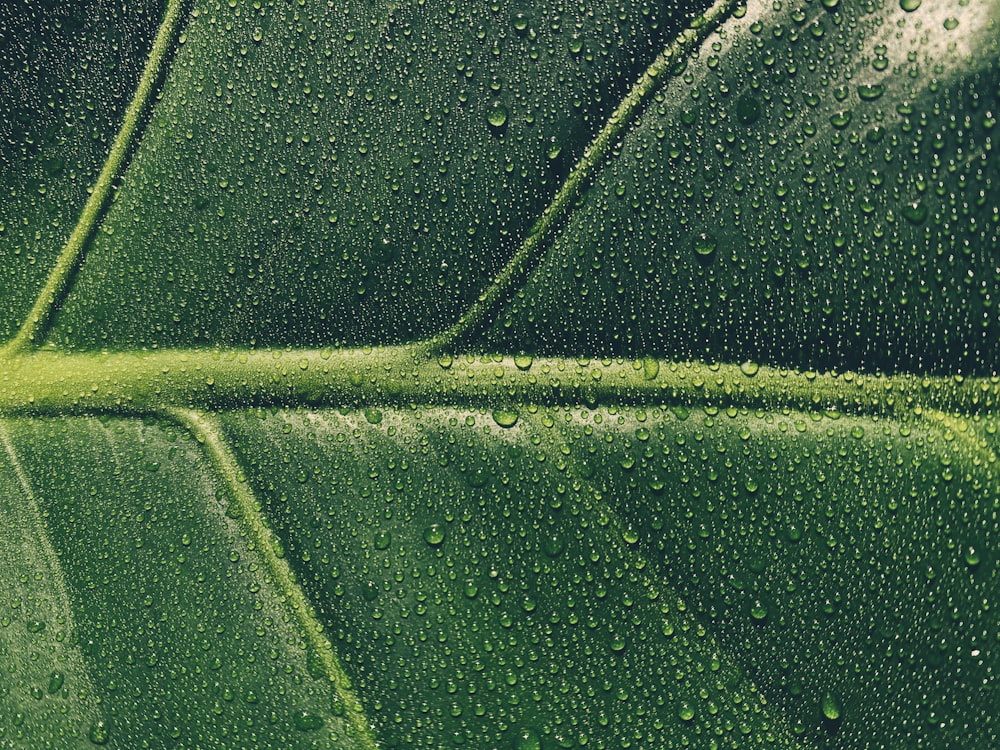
(522, 361)
(305, 721)
(909, 5)
(915, 213)
(504, 417)
(749, 369)
(650, 368)
(497, 115)
(871, 91)
(704, 245)
(841, 119)
(99, 733)
(56, 680)
(434, 534)
(972, 557)
(831, 707)
(382, 539)
(950, 23)
(553, 545)
(687, 711)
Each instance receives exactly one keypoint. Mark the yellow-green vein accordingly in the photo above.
(962, 432)
(36, 324)
(208, 432)
(536, 242)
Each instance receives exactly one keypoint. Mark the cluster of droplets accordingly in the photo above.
(813, 190)
(69, 70)
(349, 174)
(565, 577)
(143, 610)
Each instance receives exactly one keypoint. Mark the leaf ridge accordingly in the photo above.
(536, 243)
(207, 431)
(57, 285)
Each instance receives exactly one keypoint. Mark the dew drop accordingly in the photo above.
(870, 92)
(650, 368)
(841, 119)
(56, 680)
(434, 534)
(553, 545)
(505, 418)
(382, 539)
(305, 721)
(704, 245)
(99, 733)
(497, 115)
(915, 213)
(909, 5)
(831, 707)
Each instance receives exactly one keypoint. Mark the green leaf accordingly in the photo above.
(514, 376)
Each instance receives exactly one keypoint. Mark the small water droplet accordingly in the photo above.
(497, 115)
(56, 680)
(99, 733)
(749, 369)
(305, 721)
(504, 417)
(522, 361)
(871, 91)
(909, 5)
(382, 539)
(915, 213)
(704, 245)
(553, 545)
(841, 119)
(831, 707)
(434, 534)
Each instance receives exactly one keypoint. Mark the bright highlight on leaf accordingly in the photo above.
(504, 376)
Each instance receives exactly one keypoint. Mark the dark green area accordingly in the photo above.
(587, 574)
(352, 173)
(814, 188)
(69, 68)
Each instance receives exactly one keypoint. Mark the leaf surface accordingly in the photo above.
(423, 376)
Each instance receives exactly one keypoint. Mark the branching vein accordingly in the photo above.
(208, 432)
(37, 323)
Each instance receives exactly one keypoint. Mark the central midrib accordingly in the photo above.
(146, 382)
